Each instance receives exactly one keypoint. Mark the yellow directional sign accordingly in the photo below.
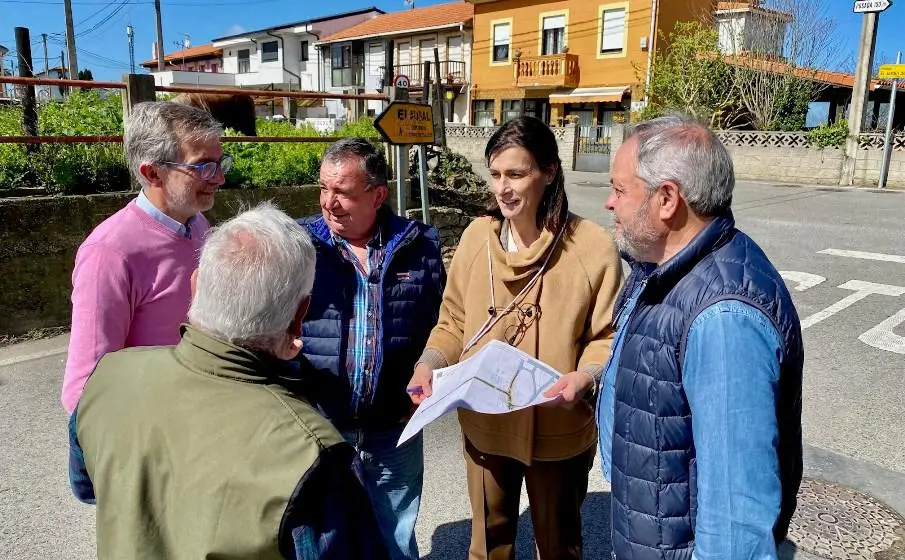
(406, 123)
(892, 72)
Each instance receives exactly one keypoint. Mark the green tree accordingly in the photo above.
(690, 75)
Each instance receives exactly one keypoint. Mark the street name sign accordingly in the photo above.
(892, 72)
(406, 123)
(868, 6)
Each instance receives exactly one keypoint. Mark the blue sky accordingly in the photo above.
(103, 47)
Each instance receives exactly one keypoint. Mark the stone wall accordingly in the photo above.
(39, 237)
(470, 141)
(451, 222)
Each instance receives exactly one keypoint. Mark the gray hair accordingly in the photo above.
(373, 163)
(155, 131)
(683, 151)
(255, 270)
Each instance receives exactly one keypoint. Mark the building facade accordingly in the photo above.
(355, 59)
(283, 56)
(567, 60)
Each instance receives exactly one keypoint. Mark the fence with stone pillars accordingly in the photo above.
(789, 157)
(470, 141)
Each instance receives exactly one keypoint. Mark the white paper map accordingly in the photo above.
(497, 379)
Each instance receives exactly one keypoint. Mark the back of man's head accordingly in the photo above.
(255, 271)
(683, 151)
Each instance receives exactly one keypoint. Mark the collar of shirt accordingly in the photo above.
(375, 242)
(184, 230)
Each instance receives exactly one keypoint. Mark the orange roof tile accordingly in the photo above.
(193, 53)
(438, 15)
(831, 77)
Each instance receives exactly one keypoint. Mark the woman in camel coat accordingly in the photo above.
(545, 281)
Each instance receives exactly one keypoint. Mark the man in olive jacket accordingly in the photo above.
(205, 450)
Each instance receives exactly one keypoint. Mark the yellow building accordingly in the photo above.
(587, 59)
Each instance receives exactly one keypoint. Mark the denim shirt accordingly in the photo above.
(730, 375)
(605, 404)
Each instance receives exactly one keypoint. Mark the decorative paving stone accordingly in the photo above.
(833, 521)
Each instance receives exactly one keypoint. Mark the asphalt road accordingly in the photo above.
(853, 303)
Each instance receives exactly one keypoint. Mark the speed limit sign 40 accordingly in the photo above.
(401, 82)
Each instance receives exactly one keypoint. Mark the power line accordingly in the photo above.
(172, 4)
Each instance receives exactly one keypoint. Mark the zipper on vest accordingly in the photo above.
(634, 296)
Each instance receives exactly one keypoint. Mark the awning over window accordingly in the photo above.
(590, 95)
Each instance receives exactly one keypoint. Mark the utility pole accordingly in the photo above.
(887, 144)
(70, 42)
(871, 12)
(29, 107)
(130, 32)
(160, 64)
(46, 64)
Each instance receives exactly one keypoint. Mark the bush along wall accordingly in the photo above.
(99, 168)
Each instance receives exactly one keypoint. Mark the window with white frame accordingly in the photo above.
(511, 109)
(483, 112)
(303, 51)
(270, 51)
(554, 33)
(244, 61)
(612, 39)
(502, 37)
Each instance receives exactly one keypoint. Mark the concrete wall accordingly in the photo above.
(867, 168)
(39, 238)
(788, 165)
(470, 141)
(796, 162)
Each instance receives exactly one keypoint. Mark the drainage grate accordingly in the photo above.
(833, 521)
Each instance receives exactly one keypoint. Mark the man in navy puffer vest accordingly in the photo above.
(377, 290)
(700, 406)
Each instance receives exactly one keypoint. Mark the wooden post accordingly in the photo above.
(139, 88)
(437, 102)
(29, 105)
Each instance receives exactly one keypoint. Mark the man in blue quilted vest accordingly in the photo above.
(377, 291)
(700, 404)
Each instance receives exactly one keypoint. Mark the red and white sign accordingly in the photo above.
(401, 82)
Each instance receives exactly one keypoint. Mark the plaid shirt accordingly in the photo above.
(363, 345)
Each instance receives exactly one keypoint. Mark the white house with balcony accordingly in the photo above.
(283, 57)
(354, 60)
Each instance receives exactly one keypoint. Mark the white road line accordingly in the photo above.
(884, 338)
(862, 290)
(864, 255)
(803, 280)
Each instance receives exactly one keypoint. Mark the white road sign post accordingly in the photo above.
(870, 6)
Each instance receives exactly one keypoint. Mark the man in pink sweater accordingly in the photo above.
(131, 282)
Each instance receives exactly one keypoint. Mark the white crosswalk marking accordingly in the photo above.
(864, 255)
(862, 290)
(883, 338)
(803, 280)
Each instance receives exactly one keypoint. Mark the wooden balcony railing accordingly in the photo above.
(553, 70)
